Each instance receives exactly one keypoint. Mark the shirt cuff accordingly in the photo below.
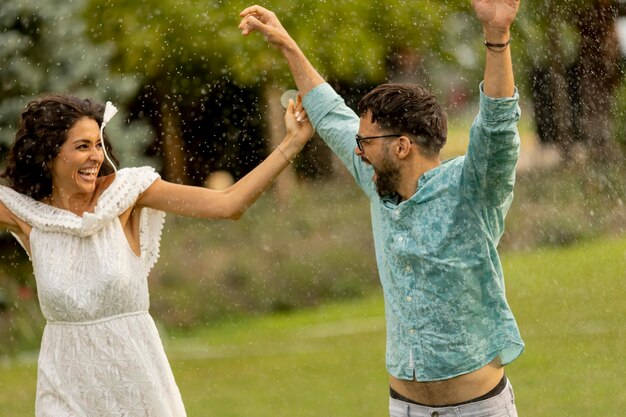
(498, 109)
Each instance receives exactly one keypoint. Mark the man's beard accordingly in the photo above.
(387, 176)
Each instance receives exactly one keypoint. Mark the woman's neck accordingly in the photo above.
(77, 203)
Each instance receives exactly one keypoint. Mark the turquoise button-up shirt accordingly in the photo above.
(442, 280)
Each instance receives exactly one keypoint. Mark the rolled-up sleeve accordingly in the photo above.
(337, 124)
(489, 168)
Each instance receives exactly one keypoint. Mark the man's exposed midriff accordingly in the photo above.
(455, 390)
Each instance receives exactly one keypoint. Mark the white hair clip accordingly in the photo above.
(109, 111)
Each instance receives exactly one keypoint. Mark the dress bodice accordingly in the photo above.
(100, 352)
(84, 266)
(88, 278)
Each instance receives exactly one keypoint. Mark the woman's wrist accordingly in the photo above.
(284, 154)
(289, 148)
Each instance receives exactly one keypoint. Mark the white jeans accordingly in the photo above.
(502, 405)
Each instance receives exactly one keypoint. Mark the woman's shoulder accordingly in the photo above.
(123, 188)
(131, 179)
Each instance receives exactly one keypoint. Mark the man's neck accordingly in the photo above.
(411, 175)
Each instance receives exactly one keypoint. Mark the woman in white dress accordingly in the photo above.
(92, 234)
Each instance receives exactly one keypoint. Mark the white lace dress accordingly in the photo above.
(101, 354)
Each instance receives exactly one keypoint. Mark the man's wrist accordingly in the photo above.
(496, 36)
(289, 47)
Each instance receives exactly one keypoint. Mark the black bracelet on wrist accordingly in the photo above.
(497, 47)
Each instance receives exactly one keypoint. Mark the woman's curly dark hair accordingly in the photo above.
(42, 130)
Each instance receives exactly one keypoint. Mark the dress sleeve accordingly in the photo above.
(151, 226)
(125, 189)
(30, 211)
(11, 200)
(133, 182)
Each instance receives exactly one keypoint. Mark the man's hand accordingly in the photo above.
(496, 16)
(259, 19)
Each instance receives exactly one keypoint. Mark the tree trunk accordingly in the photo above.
(172, 142)
(560, 90)
(599, 75)
(551, 105)
(573, 103)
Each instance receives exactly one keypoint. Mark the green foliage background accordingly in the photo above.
(346, 39)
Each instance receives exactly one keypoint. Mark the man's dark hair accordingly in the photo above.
(42, 130)
(408, 109)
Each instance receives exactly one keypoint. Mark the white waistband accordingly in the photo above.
(97, 321)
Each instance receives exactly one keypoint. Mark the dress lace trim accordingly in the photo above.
(117, 198)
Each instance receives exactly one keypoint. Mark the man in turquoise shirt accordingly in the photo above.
(436, 225)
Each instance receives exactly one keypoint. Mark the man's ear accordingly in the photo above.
(403, 147)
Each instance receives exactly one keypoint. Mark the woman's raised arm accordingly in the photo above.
(232, 203)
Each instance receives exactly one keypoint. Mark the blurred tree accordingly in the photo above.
(568, 51)
(575, 65)
(43, 48)
(171, 44)
(182, 47)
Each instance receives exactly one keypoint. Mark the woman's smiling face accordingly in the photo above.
(76, 167)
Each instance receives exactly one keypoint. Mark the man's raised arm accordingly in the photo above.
(496, 17)
(259, 19)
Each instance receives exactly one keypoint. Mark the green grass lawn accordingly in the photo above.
(330, 360)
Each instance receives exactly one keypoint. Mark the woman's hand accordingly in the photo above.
(299, 129)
